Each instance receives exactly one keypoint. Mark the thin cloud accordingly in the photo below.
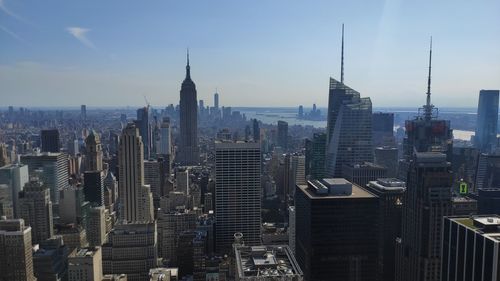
(11, 33)
(80, 34)
(7, 11)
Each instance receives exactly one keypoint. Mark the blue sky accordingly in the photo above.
(257, 53)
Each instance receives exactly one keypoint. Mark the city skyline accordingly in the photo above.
(270, 50)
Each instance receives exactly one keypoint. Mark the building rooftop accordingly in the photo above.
(327, 189)
(86, 252)
(388, 184)
(265, 261)
(488, 225)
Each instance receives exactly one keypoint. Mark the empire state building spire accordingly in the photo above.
(188, 68)
(428, 106)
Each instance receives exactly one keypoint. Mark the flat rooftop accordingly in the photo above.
(488, 225)
(266, 261)
(357, 192)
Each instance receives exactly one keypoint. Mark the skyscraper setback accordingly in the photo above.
(136, 201)
(188, 146)
(349, 126)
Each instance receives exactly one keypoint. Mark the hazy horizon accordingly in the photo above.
(258, 54)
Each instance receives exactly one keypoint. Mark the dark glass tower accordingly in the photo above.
(142, 123)
(349, 127)
(50, 140)
(487, 120)
(188, 146)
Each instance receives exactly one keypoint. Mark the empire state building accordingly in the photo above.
(188, 147)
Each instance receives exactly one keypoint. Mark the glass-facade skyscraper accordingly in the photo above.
(487, 120)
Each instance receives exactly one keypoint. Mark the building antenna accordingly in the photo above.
(342, 58)
(428, 105)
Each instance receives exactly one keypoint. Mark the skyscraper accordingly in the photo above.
(315, 156)
(15, 176)
(54, 168)
(93, 187)
(237, 193)
(283, 134)
(36, 210)
(83, 112)
(50, 140)
(390, 198)
(383, 129)
(142, 123)
(470, 248)
(188, 146)
(216, 101)
(136, 201)
(96, 226)
(165, 147)
(487, 120)
(336, 231)
(349, 125)
(16, 258)
(428, 175)
(93, 152)
(256, 130)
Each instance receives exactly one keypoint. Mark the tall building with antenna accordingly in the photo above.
(349, 125)
(427, 171)
(188, 145)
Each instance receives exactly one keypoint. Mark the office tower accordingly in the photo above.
(301, 112)
(142, 123)
(188, 147)
(16, 258)
(333, 218)
(390, 203)
(283, 134)
(111, 184)
(237, 192)
(93, 152)
(83, 112)
(427, 199)
(182, 180)
(6, 209)
(349, 125)
(50, 140)
(387, 157)
(255, 130)
(464, 164)
(36, 210)
(470, 248)
(4, 160)
(487, 171)
(362, 173)
(165, 147)
(488, 201)
(155, 176)
(216, 101)
(71, 200)
(485, 138)
(291, 228)
(93, 187)
(315, 156)
(298, 172)
(96, 226)
(136, 201)
(427, 152)
(85, 264)
(54, 168)
(130, 249)
(50, 260)
(14, 176)
(383, 129)
(170, 225)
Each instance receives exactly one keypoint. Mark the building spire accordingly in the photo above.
(428, 105)
(188, 68)
(342, 58)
